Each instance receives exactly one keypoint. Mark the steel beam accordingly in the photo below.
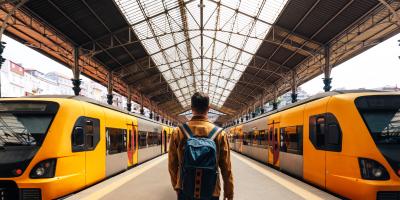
(186, 33)
(113, 37)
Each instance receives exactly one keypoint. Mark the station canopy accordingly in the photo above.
(242, 53)
(202, 46)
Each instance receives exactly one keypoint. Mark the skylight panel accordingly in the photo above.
(233, 32)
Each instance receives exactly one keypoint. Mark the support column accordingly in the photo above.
(253, 114)
(129, 100)
(109, 89)
(327, 70)
(157, 115)
(2, 46)
(141, 105)
(262, 102)
(294, 87)
(151, 111)
(275, 101)
(76, 81)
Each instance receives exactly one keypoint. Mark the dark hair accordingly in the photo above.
(200, 102)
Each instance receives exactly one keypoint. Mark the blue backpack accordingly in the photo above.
(199, 170)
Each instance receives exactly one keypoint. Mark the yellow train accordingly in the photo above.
(347, 142)
(51, 146)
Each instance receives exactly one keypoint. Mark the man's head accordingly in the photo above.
(200, 104)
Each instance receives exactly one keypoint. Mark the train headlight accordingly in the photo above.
(44, 169)
(372, 170)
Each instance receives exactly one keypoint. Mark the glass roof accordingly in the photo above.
(195, 53)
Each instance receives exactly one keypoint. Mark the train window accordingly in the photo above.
(256, 137)
(142, 139)
(320, 131)
(291, 139)
(150, 139)
(86, 134)
(92, 132)
(325, 133)
(333, 137)
(263, 138)
(116, 140)
(78, 139)
(248, 138)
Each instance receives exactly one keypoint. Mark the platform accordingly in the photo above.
(253, 180)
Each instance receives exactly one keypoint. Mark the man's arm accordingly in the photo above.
(173, 162)
(225, 165)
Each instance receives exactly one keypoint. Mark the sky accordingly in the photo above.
(377, 67)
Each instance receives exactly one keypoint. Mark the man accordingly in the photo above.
(200, 127)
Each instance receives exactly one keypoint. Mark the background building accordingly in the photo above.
(17, 81)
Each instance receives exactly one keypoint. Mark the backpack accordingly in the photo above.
(199, 169)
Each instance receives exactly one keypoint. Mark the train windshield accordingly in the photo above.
(23, 128)
(382, 117)
(381, 114)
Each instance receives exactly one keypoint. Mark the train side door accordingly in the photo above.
(270, 135)
(135, 143)
(314, 157)
(273, 142)
(131, 142)
(93, 124)
(165, 141)
(275, 145)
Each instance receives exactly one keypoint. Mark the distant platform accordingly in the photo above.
(253, 181)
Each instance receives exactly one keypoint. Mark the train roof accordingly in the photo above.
(312, 98)
(93, 101)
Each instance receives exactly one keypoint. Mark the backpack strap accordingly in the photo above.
(214, 132)
(186, 130)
